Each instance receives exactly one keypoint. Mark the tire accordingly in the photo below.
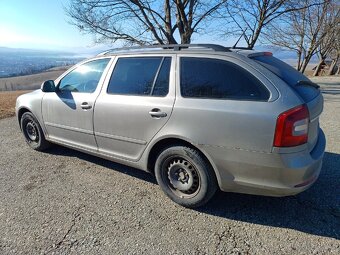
(185, 176)
(32, 132)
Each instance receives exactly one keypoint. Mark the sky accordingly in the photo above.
(39, 24)
(43, 24)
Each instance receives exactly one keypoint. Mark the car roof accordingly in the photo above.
(178, 48)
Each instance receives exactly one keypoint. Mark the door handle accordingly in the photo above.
(85, 106)
(156, 113)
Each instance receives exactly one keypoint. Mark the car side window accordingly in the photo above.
(219, 79)
(84, 78)
(148, 76)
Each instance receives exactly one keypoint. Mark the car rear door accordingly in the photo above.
(134, 105)
(68, 113)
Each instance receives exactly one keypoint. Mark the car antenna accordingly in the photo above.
(243, 33)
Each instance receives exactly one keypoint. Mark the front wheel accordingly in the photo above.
(185, 176)
(33, 133)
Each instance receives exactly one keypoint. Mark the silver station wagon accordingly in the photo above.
(199, 117)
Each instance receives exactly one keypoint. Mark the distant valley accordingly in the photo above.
(18, 62)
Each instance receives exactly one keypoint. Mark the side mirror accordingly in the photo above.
(48, 86)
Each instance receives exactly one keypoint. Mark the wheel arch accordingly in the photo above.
(21, 111)
(161, 144)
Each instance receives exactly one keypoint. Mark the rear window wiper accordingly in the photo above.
(307, 83)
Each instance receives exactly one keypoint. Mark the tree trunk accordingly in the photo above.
(318, 68)
(299, 61)
(306, 60)
(333, 65)
(304, 65)
(168, 23)
(255, 37)
(186, 37)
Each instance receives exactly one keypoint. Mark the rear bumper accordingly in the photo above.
(269, 174)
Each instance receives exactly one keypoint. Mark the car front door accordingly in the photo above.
(136, 103)
(68, 113)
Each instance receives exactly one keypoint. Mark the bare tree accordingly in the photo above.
(335, 56)
(335, 52)
(142, 21)
(251, 17)
(329, 46)
(302, 31)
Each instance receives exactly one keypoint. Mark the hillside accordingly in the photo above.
(30, 82)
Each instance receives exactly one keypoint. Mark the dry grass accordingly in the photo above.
(7, 103)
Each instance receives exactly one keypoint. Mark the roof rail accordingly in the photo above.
(175, 47)
(241, 48)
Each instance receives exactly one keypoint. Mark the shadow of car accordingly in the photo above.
(315, 211)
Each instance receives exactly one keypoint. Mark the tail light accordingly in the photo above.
(292, 127)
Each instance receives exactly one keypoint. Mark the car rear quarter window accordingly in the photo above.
(219, 79)
(289, 75)
(140, 76)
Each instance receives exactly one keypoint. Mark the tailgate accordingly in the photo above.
(308, 91)
(315, 108)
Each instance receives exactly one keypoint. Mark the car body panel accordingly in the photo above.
(274, 174)
(315, 108)
(31, 102)
(65, 119)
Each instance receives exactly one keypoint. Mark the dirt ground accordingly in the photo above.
(7, 102)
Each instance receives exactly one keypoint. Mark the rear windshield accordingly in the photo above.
(290, 75)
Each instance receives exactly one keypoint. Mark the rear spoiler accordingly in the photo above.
(261, 53)
(307, 83)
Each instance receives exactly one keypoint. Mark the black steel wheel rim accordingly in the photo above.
(31, 131)
(181, 176)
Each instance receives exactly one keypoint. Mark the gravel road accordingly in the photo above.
(66, 202)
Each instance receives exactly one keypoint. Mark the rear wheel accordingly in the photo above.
(33, 133)
(185, 176)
